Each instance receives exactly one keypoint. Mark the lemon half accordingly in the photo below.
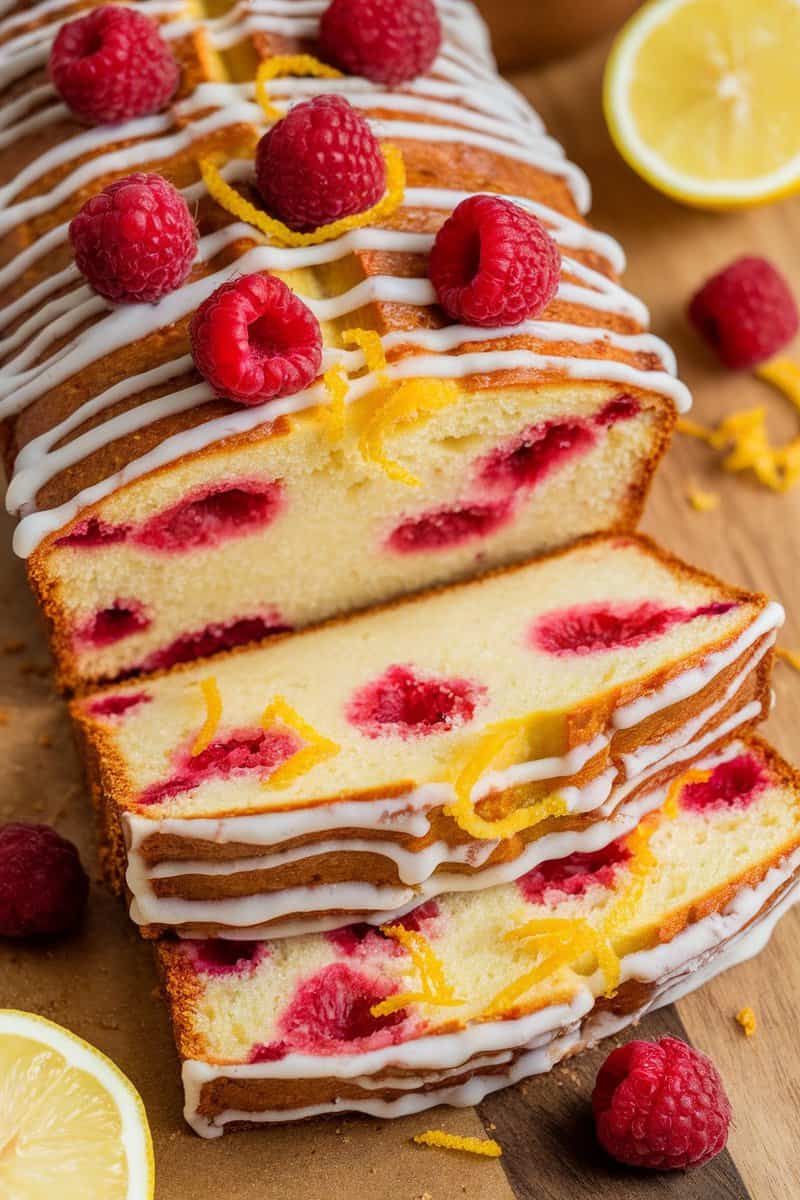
(72, 1126)
(702, 98)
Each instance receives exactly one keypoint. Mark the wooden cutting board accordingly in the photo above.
(102, 983)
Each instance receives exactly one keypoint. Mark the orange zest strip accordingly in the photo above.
(702, 501)
(337, 386)
(694, 429)
(745, 432)
(277, 232)
(434, 989)
(316, 749)
(409, 404)
(453, 1141)
(495, 739)
(792, 657)
(288, 64)
(643, 860)
(369, 343)
(566, 939)
(747, 1019)
(560, 941)
(213, 702)
(784, 374)
(500, 1004)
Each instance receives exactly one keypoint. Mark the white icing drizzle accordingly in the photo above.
(419, 866)
(652, 753)
(490, 115)
(689, 683)
(277, 914)
(691, 959)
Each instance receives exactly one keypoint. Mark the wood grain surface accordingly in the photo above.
(101, 983)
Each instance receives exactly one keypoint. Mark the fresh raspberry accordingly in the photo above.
(43, 887)
(136, 240)
(113, 64)
(493, 263)
(388, 41)
(746, 313)
(253, 339)
(660, 1105)
(319, 163)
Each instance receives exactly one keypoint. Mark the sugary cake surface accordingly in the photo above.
(148, 544)
(498, 953)
(400, 695)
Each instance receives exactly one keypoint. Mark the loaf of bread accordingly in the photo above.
(446, 742)
(472, 992)
(161, 522)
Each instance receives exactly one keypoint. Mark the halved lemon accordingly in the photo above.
(702, 98)
(72, 1126)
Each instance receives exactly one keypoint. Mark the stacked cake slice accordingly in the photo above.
(446, 743)
(472, 992)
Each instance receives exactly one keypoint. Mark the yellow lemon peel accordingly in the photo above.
(336, 385)
(213, 703)
(410, 403)
(288, 64)
(784, 374)
(235, 203)
(792, 657)
(643, 860)
(369, 343)
(434, 989)
(560, 941)
(745, 434)
(702, 501)
(747, 1019)
(315, 750)
(454, 1141)
(495, 738)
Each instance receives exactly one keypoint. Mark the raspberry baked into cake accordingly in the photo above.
(359, 768)
(212, 393)
(469, 993)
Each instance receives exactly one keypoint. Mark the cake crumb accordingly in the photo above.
(453, 1141)
(702, 501)
(747, 1019)
(45, 741)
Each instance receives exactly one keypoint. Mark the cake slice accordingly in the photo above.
(472, 992)
(162, 522)
(358, 768)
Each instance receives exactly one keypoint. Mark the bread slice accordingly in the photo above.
(161, 523)
(473, 992)
(362, 766)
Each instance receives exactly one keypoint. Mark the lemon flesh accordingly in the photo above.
(71, 1125)
(702, 98)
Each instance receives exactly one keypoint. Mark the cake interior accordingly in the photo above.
(398, 697)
